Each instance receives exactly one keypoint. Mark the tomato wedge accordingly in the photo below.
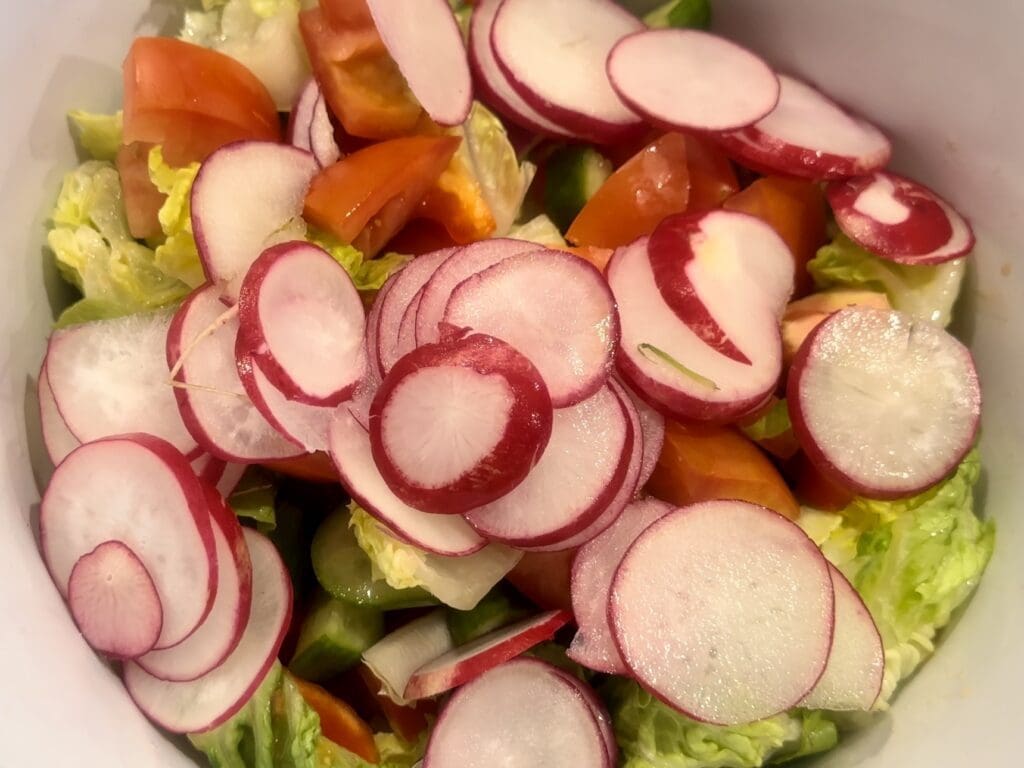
(142, 200)
(367, 197)
(457, 203)
(545, 578)
(313, 467)
(712, 178)
(339, 721)
(408, 721)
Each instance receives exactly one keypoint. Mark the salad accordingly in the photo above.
(513, 382)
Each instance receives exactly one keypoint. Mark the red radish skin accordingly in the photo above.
(686, 79)
(140, 491)
(221, 631)
(522, 300)
(810, 136)
(57, 438)
(301, 116)
(554, 54)
(441, 534)
(114, 602)
(882, 403)
(467, 662)
(401, 290)
(652, 427)
(395, 658)
(373, 327)
(303, 322)
(211, 700)
(455, 426)
(899, 220)
(597, 709)
(724, 610)
(407, 328)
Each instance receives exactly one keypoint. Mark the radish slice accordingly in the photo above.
(467, 662)
(724, 610)
(407, 328)
(455, 426)
(597, 709)
(109, 378)
(810, 136)
(554, 55)
(459, 266)
(688, 79)
(577, 477)
(427, 47)
(373, 326)
(856, 663)
(442, 534)
(883, 404)
(301, 115)
(244, 194)
(139, 491)
(114, 602)
(670, 365)
(652, 426)
(322, 142)
(523, 300)
(522, 714)
(395, 658)
(491, 82)
(210, 700)
(592, 572)
(304, 424)
(230, 478)
(899, 220)
(221, 631)
(211, 397)
(401, 291)
(303, 322)
(57, 438)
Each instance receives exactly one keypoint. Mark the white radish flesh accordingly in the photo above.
(883, 404)
(597, 709)
(208, 701)
(401, 289)
(114, 602)
(724, 610)
(322, 142)
(395, 657)
(652, 426)
(301, 116)
(304, 424)
(57, 438)
(407, 328)
(688, 79)
(230, 478)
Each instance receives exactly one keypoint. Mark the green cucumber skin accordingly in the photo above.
(333, 637)
(574, 174)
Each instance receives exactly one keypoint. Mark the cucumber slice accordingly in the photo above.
(333, 637)
(344, 570)
(496, 609)
(574, 174)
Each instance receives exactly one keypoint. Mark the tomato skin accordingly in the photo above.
(408, 722)
(814, 489)
(712, 178)
(420, 236)
(545, 578)
(313, 467)
(339, 721)
(142, 200)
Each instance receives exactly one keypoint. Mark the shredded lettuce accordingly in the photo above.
(540, 230)
(681, 13)
(98, 135)
(366, 274)
(926, 292)
(177, 256)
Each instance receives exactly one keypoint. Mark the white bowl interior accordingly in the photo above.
(944, 79)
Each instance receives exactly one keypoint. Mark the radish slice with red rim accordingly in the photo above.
(301, 116)
(523, 301)
(441, 534)
(882, 403)
(898, 219)
(114, 602)
(554, 55)
(402, 289)
(322, 142)
(230, 478)
(597, 709)
(457, 425)
(140, 491)
(467, 662)
(686, 79)
(724, 611)
(210, 700)
(407, 328)
(810, 136)
(427, 46)
(652, 426)
(57, 438)
(304, 424)
(394, 658)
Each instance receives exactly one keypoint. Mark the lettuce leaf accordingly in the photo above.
(926, 292)
(773, 423)
(98, 135)
(694, 14)
(177, 256)
(396, 753)
(540, 230)
(366, 274)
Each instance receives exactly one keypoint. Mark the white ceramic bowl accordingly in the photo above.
(944, 77)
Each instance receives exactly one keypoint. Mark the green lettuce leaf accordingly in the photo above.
(694, 14)
(254, 497)
(396, 753)
(98, 135)
(926, 292)
(540, 230)
(367, 274)
(773, 423)
(177, 256)
(652, 735)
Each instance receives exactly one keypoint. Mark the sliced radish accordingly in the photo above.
(661, 358)
(221, 631)
(301, 115)
(109, 378)
(899, 219)
(459, 266)
(592, 572)
(114, 602)
(395, 658)
(519, 715)
(310, 127)
(579, 474)
(210, 394)
(724, 610)
(373, 326)
(523, 300)
(491, 82)
(688, 79)
(407, 328)
(856, 663)
(597, 709)
(883, 404)
(467, 662)
(304, 424)
(809, 135)
(57, 438)
(303, 322)
(208, 701)
(230, 478)
(140, 491)
(401, 290)
(554, 55)
(441, 534)
(652, 426)
(244, 194)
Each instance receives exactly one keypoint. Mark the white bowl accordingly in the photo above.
(942, 76)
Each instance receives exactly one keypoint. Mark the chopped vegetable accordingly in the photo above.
(99, 135)
(692, 14)
(574, 174)
(334, 635)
